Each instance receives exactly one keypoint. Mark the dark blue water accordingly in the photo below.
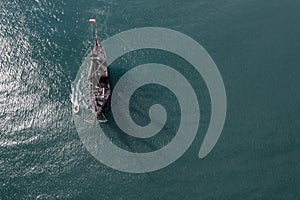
(256, 46)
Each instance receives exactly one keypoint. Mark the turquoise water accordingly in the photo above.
(256, 46)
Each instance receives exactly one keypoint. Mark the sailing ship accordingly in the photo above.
(98, 78)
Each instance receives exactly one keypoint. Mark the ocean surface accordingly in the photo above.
(254, 43)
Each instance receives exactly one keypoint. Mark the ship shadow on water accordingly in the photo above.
(139, 114)
(145, 97)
